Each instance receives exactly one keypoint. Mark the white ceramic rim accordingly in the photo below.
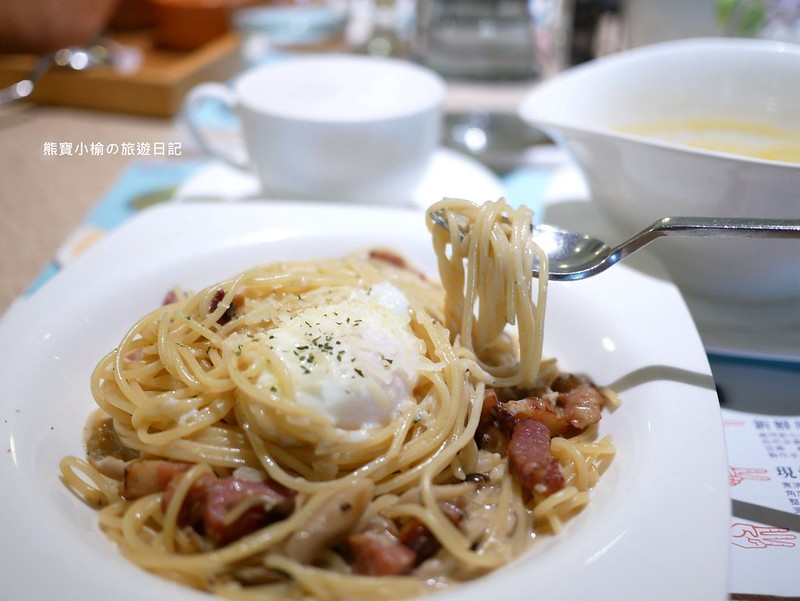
(666, 489)
(553, 127)
(420, 78)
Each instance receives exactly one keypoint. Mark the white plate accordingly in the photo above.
(449, 173)
(658, 522)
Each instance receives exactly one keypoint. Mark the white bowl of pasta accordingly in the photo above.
(318, 462)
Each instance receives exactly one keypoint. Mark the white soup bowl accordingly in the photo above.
(672, 129)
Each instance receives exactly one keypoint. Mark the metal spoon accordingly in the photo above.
(575, 256)
(74, 58)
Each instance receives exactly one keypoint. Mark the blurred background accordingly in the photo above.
(150, 51)
(140, 57)
(81, 77)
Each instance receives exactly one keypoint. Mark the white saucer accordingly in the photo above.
(764, 332)
(449, 173)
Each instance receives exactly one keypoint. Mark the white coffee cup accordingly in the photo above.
(330, 127)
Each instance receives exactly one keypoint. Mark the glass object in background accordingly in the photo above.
(491, 51)
(768, 19)
(477, 39)
(597, 29)
(501, 141)
(390, 27)
(553, 22)
(291, 25)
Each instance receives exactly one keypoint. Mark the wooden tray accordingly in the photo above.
(156, 89)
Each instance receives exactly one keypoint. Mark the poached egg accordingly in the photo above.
(352, 357)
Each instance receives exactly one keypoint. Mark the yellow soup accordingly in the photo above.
(744, 138)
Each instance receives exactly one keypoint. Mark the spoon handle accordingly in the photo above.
(729, 226)
(710, 227)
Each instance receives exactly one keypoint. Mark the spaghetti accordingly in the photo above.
(344, 428)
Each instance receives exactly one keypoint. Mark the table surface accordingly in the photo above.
(44, 198)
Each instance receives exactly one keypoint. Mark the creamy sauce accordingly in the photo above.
(745, 138)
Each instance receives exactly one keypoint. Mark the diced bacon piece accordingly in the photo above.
(489, 435)
(489, 402)
(193, 506)
(581, 400)
(380, 555)
(530, 460)
(210, 500)
(170, 298)
(222, 496)
(540, 410)
(236, 303)
(415, 535)
(388, 256)
(148, 476)
(218, 296)
(503, 419)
